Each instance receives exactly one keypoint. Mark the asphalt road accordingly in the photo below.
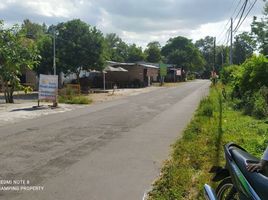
(108, 151)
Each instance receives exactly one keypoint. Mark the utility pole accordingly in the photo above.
(54, 51)
(231, 45)
(55, 102)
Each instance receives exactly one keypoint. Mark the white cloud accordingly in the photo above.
(135, 21)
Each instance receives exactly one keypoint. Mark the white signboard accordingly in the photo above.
(48, 87)
(178, 72)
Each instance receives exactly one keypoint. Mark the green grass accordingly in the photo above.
(75, 99)
(185, 173)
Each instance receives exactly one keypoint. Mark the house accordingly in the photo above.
(137, 75)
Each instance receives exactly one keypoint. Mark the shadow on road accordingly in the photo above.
(32, 96)
(34, 108)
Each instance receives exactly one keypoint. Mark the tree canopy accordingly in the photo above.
(182, 52)
(135, 54)
(116, 49)
(260, 31)
(244, 47)
(17, 52)
(153, 52)
(79, 47)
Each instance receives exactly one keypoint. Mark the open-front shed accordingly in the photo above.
(137, 75)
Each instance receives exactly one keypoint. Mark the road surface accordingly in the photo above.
(108, 151)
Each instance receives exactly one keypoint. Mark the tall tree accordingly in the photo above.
(260, 30)
(153, 52)
(244, 47)
(135, 53)
(33, 30)
(116, 49)
(182, 52)
(206, 46)
(45, 47)
(16, 53)
(80, 47)
(44, 40)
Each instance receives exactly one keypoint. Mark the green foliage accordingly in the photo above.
(230, 73)
(182, 52)
(33, 30)
(260, 103)
(17, 53)
(184, 175)
(244, 46)
(45, 46)
(206, 107)
(115, 48)
(135, 54)
(80, 47)
(191, 76)
(206, 46)
(70, 99)
(260, 30)
(153, 52)
(27, 89)
(70, 95)
(255, 73)
(249, 84)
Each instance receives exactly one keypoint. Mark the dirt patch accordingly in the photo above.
(119, 93)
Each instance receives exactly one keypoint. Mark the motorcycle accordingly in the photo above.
(236, 183)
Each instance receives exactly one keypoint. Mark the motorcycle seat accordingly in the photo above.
(258, 181)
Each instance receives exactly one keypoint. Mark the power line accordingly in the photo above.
(248, 11)
(219, 36)
(244, 8)
(236, 8)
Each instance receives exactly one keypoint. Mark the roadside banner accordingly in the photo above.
(163, 70)
(178, 72)
(48, 87)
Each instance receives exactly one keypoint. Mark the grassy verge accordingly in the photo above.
(75, 99)
(184, 175)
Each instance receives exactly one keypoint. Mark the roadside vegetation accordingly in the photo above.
(235, 111)
(71, 96)
(200, 148)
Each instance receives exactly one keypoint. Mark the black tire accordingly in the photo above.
(226, 190)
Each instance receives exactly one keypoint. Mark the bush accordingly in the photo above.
(206, 107)
(191, 76)
(74, 99)
(260, 103)
(228, 74)
(249, 84)
(185, 173)
(255, 73)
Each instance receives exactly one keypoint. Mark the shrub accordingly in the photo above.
(260, 103)
(255, 73)
(249, 84)
(191, 76)
(228, 73)
(74, 99)
(206, 107)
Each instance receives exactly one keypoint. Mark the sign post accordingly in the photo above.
(163, 72)
(48, 88)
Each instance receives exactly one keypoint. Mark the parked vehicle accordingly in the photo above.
(235, 182)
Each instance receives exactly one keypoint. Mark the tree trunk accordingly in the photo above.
(8, 92)
(77, 77)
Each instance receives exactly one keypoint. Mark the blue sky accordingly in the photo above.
(134, 21)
